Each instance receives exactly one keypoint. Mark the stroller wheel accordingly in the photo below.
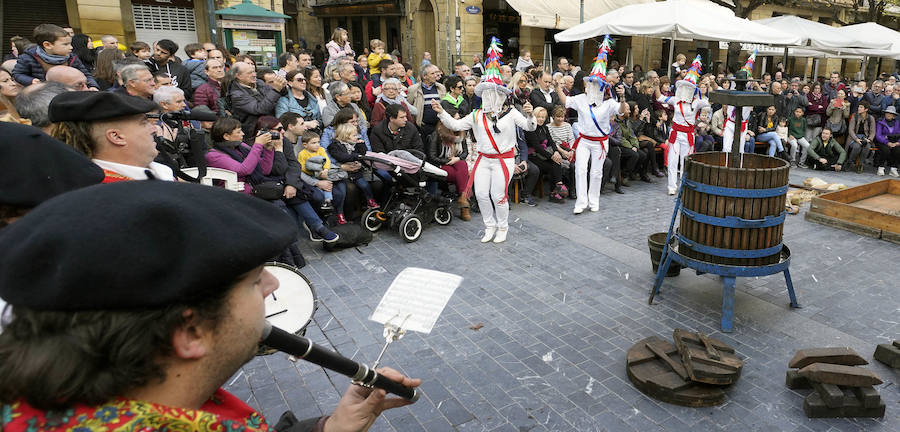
(443, 216)
(371, 220)
(411, 228)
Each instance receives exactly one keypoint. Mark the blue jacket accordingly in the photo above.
(197, 69)
(888, 101)
(28, 68)
(289, 104)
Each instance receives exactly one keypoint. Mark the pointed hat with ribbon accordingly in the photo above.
(492, 78)
(598, 69)
(748, 66)
(693, 74)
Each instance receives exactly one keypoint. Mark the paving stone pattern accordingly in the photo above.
(558, 317)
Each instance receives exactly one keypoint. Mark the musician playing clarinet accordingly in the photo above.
(141, 330)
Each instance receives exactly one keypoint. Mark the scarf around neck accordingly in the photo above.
(50, 58)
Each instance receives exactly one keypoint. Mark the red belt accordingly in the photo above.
(689, 130)
(743, 124)
(508, 155)
(601, 140)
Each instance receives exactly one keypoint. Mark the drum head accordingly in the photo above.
(292, 305)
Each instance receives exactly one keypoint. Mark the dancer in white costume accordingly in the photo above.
(687, 103)
(494, 127)
(728, 131)
(594, 117)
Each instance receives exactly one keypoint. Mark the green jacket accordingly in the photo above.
(797, 127)
(818, 150)
(628, 138)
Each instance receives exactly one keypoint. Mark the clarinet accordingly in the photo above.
(302, 347)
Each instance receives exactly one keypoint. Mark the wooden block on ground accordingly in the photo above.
(840, 375)
(836, 355)
(888, 354)
(831, 394)
(867, 395)
(815, 407)
(794, 381)
(897, 343)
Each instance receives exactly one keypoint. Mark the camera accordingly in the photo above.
(274, 134)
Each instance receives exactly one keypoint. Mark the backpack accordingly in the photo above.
(351, 235)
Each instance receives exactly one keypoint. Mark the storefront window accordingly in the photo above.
(259, 44)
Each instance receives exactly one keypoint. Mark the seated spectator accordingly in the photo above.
(111, 129)
(887, 139)
(860, 135)
(137, 80)
(196, 64)
(356, 97)
(341, 98)
(620, 154)
(448, 150)
(9, 91)
(874, 97)
(521, 90)
(717, 127)
(314, 87)
(320, 170)
(68, 76)
(542, 151)
(825, 153)
(33, 103)
(763, 128)
(300, 101)
(453, 102)
(545, 95)
(261, 167)
(891, 98)
(208, 93)
(373, 89)
(793, 99)
(815, 112)
(420, 96)
(395, 132)
(105, 70)
(797, 137)
(390, 95)
(832, 86)
(346, 150)
(54, 47)
(644, 97)
(703, 140)
(251, 98)
(837, 114)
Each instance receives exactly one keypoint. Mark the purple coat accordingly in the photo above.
(882, 130)
(257, 156)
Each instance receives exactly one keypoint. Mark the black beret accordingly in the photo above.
(37, 167)
(137, 245)
(90, 106)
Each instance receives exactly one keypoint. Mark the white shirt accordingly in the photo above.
(506, 139)
(158, 170)
(745, 114)
(603, 113)
(688, 109)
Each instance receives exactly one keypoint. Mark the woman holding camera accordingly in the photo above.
(266, 172)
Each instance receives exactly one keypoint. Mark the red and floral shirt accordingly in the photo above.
(223, 412)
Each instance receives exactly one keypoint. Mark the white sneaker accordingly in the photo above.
(501, 235)
(489, 234)
(894, 172)
(672, 191)
(880, 171)
(578, 210)
(595, 208)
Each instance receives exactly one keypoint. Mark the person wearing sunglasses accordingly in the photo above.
(453, 101)
(299, 100)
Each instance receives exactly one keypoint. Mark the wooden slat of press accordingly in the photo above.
(709, 210)
(699, 207)
(755, 234)
(747, 210)
(834, 355)
(721, 205)
(766, 234)
(728, 234)
(687, 224)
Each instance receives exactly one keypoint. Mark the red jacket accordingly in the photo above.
(208, 94)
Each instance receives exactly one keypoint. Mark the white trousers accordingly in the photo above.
(490, 186)
(588, 190)
(675, 159)
(728, 138)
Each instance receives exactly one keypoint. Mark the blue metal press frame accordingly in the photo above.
(728, 272)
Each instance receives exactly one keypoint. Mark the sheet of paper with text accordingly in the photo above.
(416, 298)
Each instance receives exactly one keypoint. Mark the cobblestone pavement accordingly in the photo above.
(563, 299)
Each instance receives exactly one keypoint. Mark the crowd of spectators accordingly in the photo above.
(273, 117)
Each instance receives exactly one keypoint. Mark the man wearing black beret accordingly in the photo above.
(113, 130)
(142, 329)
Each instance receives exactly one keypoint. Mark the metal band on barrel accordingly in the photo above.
(735, 192)
(729, 253)
(734, 221)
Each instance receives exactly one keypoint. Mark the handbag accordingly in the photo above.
(814, 120)
(837, 128)
(270, 190)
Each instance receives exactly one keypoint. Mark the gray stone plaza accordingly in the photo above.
(561, 301)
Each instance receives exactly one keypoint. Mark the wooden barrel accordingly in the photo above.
(733, 215)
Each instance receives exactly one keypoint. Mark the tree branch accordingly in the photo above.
(723, 4)
(753, 5)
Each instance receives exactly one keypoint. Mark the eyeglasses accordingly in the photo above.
(459, 86)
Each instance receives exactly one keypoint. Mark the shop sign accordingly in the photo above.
(251, 25)
(502, 18)
(474, 10)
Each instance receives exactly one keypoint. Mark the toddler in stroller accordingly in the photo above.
(409, 204)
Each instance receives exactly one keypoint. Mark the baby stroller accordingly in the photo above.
(409, 205)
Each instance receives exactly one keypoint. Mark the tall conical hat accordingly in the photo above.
(598, 69)
(693, 74)
(492, 78)
(748, 66)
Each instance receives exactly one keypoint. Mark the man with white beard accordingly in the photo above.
(595, 114)
(494, 127)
